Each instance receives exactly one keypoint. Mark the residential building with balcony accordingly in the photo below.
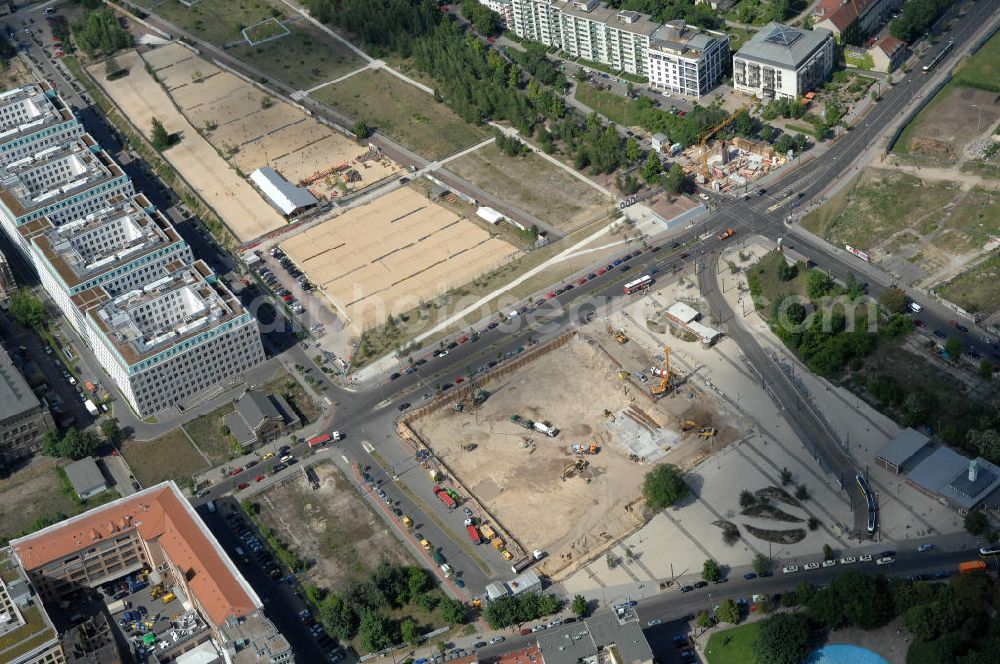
(538, 20)
(686, 61)
(615, 38)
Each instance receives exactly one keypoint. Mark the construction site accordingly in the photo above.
(555, 446)
(728, 167)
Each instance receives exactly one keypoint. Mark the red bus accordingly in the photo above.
(321, 439)
(639, 284)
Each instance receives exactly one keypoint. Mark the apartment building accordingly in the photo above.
(172, 338)
(618, 39)
(156, 535)
(505, 8)
(62, 182)
(782, 61)
(33, 118)
(538, 20)
(119, 248)
(851, 21)
(24, 419)
(686, 61)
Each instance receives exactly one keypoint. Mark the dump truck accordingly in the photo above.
(522, 564)
(497, 543)
(618, 335)
(585, 449)
(551, 432)
(444, 497)
(726, 234)
(507, 555)
(522, 422)
(474, 533)
(454, 494)
(972, 566)
(487, 531)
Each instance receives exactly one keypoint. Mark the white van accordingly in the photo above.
(915, 308)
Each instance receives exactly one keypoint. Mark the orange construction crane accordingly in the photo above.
(665, 373)
(703, 143)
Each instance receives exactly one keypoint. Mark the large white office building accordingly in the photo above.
(163, 327)
(783, 62)
(686, 61)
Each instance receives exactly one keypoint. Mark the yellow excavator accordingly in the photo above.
(703, 432)
(665, 374)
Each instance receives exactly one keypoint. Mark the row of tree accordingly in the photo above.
(383, 26)
(916, 18)
(518, 609)
(483, 19)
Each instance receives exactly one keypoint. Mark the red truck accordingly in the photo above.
(321, 439)
(445, 498)
(474, 534)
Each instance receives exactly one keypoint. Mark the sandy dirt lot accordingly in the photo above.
(517, 474)
(332, 527)
(948, 123)
(531, 183)
(142, 98)
(254, 130)
(387, 256)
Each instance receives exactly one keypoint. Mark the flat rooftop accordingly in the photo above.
(159, 513)
(26, 629)
(29, 110)
(628, 21)
(678, 38)
(83, 250)
(16, 397)
(187, 301)
(783, 45)
(597, 640)
(49, 176)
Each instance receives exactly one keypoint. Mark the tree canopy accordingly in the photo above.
(916, 17)
(73, 444)
(664, 486)
(514, 610)
(710, 571)
(783, 638)
(28, 310)
(100, 31)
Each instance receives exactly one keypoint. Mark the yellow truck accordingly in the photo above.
(169, 597)
(487, 531)
(497, 543)
(407, 521)
(424, 543)
(507, 555)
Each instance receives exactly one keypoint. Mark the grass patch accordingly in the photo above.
(12, 646)
(879, 204)
(266, 29)
(982, 70)
(216, 21)
(305, 58)
(792, 536)
(975, 290)
(533, 183)
(770, 512)
(616, 108)
(169, 457)
(903, 143)
(765, 271)
(732, 646)
(206, 432)
(402, 112)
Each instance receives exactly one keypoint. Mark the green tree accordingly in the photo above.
(51, 442)
(675, 181)
(916, 409)
(710, 571)
(101, 31)
(787, 272)
(377, 631)
(111, 431)
(728, 612)
(818, 284)
(704, 620)
(579, 606)
(409, 632)
(976, 521)
(632, 149)
(954, 347)
(893, 300)
(651, 169)
(761, 564)
(338, 618)
(828, 553)
(783, 638)
(664, 486)
(159, 136)
(452, 611)
(361, 130)
(747, 499)
(28, 310)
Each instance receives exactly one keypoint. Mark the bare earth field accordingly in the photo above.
(949, 122)
(388, 255)
(255, 130)
(33, 491)
(331, 527)
(534, 184)
(517, 473)
(142, 98)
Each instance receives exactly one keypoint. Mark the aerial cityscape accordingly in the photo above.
(500, 331)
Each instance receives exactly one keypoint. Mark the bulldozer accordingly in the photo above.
(665, 374)
(618, 335)
(707, 432)
(687, 425)
(573, 468)
(623, 375)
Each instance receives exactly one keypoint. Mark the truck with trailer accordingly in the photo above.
(445, 498)
(526, 562)
(551, 432)
(972, 566)
(522, 421)
(473, 533)
(319, 441)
